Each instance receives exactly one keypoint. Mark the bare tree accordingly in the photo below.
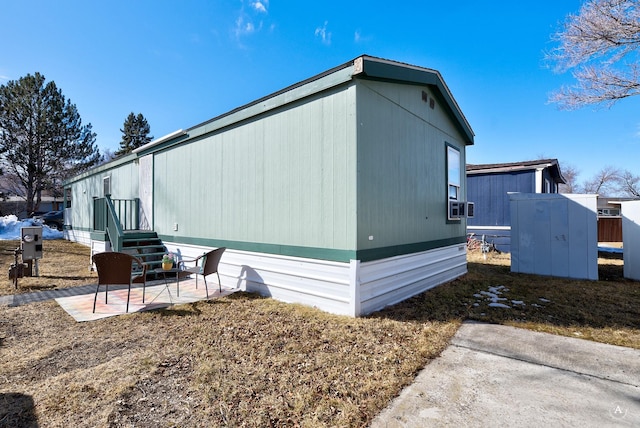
(604, 182)
(600, 46)
(629, 184)
(570, 174)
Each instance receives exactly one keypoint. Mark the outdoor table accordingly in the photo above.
(164, 273)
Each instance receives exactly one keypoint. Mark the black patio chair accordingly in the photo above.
(205, 264)
(116, 268)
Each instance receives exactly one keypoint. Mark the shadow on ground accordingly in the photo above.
(17, 410)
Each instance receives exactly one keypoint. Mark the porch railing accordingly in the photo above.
(115, 216)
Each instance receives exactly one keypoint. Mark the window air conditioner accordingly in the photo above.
(470, 209)
(456, 210)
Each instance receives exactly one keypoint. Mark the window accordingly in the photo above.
(453, 173)
(455, 206)
(106, 186)
(67, 198)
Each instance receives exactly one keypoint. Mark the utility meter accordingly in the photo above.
(31, 243)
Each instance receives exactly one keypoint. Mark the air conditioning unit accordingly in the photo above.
(458, 210)
(470, 209)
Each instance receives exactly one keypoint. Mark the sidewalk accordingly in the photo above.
(41, 296)
(493, 375)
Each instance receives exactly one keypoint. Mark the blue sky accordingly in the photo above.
(181, 63)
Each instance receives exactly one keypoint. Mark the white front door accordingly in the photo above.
(145, 181)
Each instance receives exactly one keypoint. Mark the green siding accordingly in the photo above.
(124, 185)
(319, 253)
(402, 168)
(313, 171)
(284, 178)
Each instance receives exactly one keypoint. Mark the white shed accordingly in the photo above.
(554, 234)
(631, 239)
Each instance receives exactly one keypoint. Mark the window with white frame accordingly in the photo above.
(453, 173)
(106, 185)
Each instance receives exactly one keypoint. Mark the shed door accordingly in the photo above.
(145, 181)
(631, 239)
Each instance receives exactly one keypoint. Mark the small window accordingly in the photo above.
(106, 186)
(453, 173)
(67, 197)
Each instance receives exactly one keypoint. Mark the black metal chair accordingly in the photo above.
(118, 269)
(208, 266)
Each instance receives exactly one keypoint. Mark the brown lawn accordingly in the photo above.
(249, 361)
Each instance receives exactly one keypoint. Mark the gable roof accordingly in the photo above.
(532, 165)
(362, 67)
(383, 69)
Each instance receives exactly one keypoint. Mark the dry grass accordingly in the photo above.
(606, 311)
(250, 361)
(64, 264)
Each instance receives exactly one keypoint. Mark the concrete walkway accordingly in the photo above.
(41, 296)
(500, 376)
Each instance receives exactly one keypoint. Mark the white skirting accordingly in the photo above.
(352, 289)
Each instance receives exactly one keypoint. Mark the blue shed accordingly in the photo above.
(489, 185)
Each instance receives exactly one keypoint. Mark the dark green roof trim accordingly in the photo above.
(97, 235)
(400, 250)
(284, 250)
(362, 67)
(128, 158)
(381, 69)
(318, 253)
(162, 145)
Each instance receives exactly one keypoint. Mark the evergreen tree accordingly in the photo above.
(135, 134)
(42, 139)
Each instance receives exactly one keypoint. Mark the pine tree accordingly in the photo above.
(42, 139)
(135, 133)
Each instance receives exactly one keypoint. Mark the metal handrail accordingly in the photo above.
(114, 229)
(114, 216)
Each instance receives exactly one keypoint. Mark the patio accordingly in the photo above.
(78, 301)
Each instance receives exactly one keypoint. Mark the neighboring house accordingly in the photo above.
(489, 185)
(17, 206)
(333, 192)
(610, 219)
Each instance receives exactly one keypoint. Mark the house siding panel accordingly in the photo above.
(124, 185)
(402, 168)
(490, 194)
(286, 178)
(331, 193)
(389, 281)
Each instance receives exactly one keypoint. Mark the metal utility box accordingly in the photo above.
(31, 243)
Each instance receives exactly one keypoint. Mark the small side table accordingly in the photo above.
(164, 273)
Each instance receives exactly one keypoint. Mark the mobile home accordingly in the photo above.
(334, 192)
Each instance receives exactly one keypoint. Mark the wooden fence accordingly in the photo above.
(609, 229)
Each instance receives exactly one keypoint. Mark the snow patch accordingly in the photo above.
(493, 298)
(10, 228)
(492, 295)
(499, 305)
